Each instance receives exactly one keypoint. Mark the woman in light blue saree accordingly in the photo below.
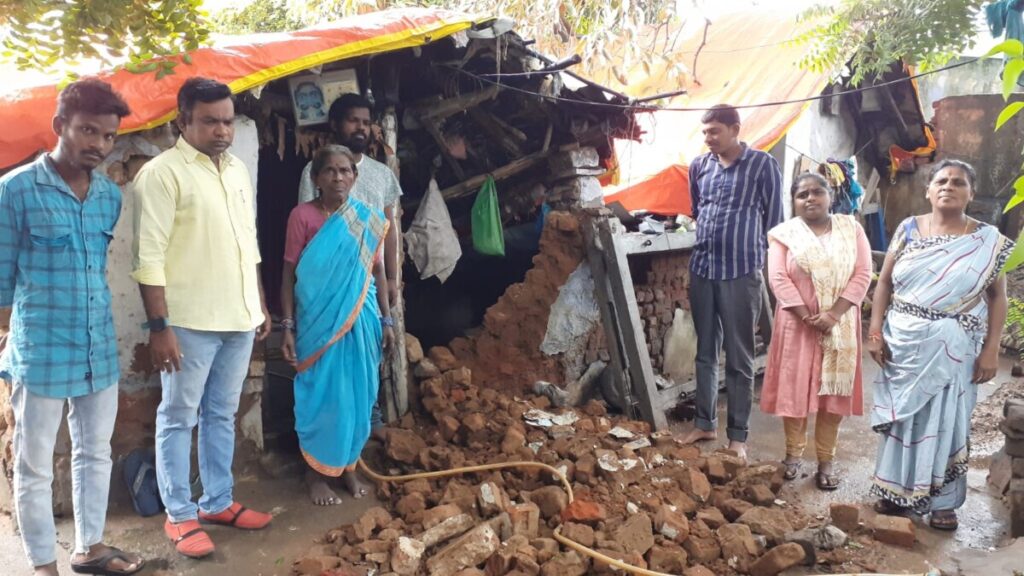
(332, 270)
(936, 322)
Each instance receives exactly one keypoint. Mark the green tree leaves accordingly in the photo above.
(869, 35)
(147, 34)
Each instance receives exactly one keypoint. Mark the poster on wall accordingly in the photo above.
(312, 94)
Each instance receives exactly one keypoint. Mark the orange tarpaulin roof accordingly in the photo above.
(241, 62)
(665, 193)
(747, 60)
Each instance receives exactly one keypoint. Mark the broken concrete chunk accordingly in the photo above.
(446, 530)
(406, 556)
(471, 549)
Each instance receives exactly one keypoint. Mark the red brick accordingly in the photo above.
(716, 470)
(846, 517)
(583, 511)
(778, 559)
(697, 570)
(768, 522)
(894, 530)
(449, 427)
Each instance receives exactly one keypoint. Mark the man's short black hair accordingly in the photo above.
(344, 103)
(90, 96)
(721, 113)
(199, 89)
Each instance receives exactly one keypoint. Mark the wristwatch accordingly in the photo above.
(156, 325)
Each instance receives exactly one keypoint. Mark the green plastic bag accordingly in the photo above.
(488, 236)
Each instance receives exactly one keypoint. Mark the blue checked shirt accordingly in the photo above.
(53, 273)
(734, 208)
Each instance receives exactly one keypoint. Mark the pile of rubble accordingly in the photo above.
(640, 498)
(1013, 427)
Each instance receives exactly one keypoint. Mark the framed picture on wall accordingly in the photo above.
(312, 94)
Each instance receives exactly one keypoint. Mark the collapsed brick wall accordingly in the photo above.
(661, 282)
(506, 351)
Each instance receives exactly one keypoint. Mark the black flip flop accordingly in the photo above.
(101, 564)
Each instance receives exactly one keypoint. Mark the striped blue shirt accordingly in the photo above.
(734, 208)
(53, 274)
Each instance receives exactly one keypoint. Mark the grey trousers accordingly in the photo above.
(725, 312)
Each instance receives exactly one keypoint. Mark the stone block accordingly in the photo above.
(668, 559)
(778, 559)
(769, 522)
(845, 516)
(738, 546)
(894, 530)
(636, 534)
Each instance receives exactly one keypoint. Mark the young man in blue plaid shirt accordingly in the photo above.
(57, 341)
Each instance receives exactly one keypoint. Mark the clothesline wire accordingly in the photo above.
(648, 108)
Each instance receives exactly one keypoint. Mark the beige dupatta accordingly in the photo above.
(830, 266)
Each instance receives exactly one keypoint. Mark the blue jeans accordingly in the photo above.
(36, 421)
(205, 392)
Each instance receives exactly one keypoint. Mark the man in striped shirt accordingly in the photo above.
(736, 198)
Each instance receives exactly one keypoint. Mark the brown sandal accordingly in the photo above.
(791, 470)
(945, 521)
(826, 482)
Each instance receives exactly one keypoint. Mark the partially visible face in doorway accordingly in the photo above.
(353, 130)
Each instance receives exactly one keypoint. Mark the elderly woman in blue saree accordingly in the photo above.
(338, 335)
(937, 319)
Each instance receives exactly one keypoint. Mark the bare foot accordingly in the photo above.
(47, 570)
(355, 485)
(124, 562)
(319, 492)
(740, 448)
(698, 435)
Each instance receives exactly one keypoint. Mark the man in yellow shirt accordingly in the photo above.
(197, 265)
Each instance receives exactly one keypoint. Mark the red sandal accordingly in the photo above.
(189, 538)
(238, 516)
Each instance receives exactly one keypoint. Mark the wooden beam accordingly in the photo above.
(901, 123)
(395, 379)
(439, 109)
(488, 123)
(613, 336)
(430, 125)
(634, 343)
(518, 165)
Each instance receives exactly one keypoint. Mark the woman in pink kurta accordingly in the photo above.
(814, 362)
